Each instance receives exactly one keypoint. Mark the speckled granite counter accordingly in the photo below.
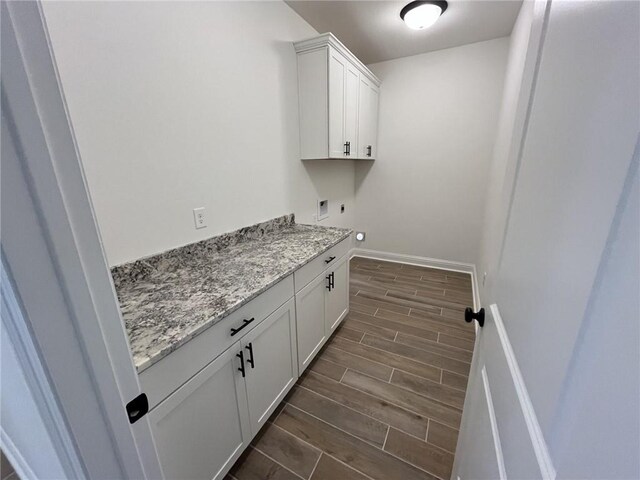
(170, 298)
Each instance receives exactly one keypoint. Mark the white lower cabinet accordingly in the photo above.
(203, 427)
(310, 312)
(271, 363)
(337, 297)
(320, 307)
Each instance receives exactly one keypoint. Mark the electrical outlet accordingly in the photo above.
(342, 208)
(199, 217)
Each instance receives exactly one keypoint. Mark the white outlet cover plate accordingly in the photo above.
(199, 217)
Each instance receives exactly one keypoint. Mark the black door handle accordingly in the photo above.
(245, 322)
(368, 150)
(330, 259)
(346, 148)
(137, 408)
(470, 315)
(328, 286)
(250, 359)
(240, 355)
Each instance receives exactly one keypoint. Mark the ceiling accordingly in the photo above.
(374, 32)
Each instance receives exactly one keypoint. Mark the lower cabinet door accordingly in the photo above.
(310, 304)
(337, 299)
(271, 363)
(203, 427)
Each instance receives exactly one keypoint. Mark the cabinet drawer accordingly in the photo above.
(319, 264)
(166, 376)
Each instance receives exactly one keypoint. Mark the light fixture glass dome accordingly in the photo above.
(422, 14)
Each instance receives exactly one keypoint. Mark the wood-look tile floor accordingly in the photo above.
(383, 399)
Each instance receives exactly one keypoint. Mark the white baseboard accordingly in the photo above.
(545, 463)
(450, 265)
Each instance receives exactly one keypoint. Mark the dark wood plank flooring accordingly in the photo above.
(383, 399)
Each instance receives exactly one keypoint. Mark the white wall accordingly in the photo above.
(596, 432)
(178, 105)
(425, 193)
(513, 109)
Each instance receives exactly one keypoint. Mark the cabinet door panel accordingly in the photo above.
(203, 427)
(364, 123)
(337, 77)
(372, 112)
(337, 300)
(271, 347)
(352, 83)
(310, 305)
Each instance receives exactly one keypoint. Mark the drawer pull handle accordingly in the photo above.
(250, 359)
(330, 259)
(240, 355)
(245, 322)
(328, 285)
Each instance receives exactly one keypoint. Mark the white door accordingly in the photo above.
(270, 362)
(337, 296)
(310, 313)
(568, 184)
(352, 83)
(53, 250)
(203, 427)
(337, 94)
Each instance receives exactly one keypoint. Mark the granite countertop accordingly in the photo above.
(169, 298)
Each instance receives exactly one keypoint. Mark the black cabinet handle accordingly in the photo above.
(331, 259)
(346, 148)
(245, 322)
(349, 148)
(250, 359)
(241, 357)
(368, 150)
(331, 278)
(470, 315)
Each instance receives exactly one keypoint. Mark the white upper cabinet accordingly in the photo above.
(338, 98)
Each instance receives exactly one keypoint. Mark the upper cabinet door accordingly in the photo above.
(371, 151)
(337, 95)
(352, 83)
(368, 119)
(364, 125)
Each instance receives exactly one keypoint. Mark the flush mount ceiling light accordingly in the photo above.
(422, 14)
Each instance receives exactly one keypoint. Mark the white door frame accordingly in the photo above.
(51, 233)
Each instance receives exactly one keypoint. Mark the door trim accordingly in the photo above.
(547, 469)
(494, 424)
(14, 326)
